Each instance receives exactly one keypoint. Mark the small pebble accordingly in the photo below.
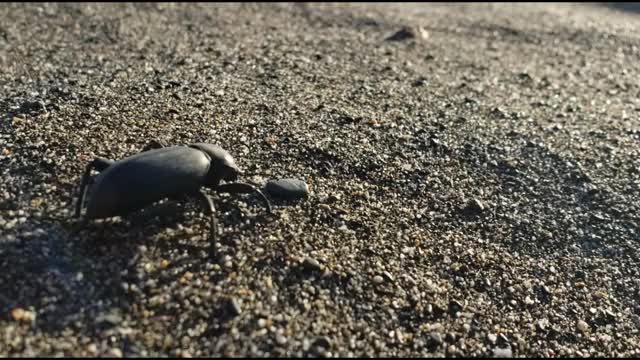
(582, 326)
(502, 353)
(281, 339)
(409, 32)
(322, 342)
(235, 307)
(10, 224)
(378, 279)
(287, 188)
(115, 352)
(311, 264)
(540, 325)
(475, 206)
(455, 306)
(528, 301)
(19, 314)
(435, 338)
(262, 323)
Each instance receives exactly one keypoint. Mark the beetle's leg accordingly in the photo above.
(214, 224)
(98, 164)
(243, 188)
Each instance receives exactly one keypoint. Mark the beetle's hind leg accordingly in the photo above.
(213, 232)
(99, 164)
(243, 188)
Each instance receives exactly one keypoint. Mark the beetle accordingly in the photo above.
(160, 172)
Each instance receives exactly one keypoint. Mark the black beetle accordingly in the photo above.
(157, 173)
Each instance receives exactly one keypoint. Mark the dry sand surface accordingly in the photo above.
(475, 179)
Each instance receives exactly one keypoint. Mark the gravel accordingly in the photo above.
(476, 185)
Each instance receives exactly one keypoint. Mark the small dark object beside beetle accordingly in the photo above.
(159, 172)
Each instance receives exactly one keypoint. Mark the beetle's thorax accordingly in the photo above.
(222, 166)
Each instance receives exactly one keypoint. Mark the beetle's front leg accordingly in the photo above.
(243, 188)
(214, 223)
(99, 164)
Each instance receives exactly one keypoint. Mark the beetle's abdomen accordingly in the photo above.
(142, 179)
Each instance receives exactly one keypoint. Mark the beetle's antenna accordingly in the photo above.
(244, 188)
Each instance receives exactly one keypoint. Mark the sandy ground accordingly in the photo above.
(475, 182)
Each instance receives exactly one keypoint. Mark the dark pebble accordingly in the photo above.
(474, 206)
(435, 339)
(322, 342)
(287, 188)
(455, 307)
(235, 307)
(311, 264)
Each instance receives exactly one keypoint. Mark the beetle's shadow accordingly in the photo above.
(145, 225)
(179, 229)
(66, 285)
(72, 274)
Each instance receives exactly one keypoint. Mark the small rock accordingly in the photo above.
(503, 340)
(492, 338)
(502, 353)
(10, 224)
(450, 337)
(528, 301)
(387, 275)
(455, 307)
(435, 339)
(600, 294)
(498, 112)
(541, 325)
(281, 339)
(409, 32)
(608, 316)
(582, 326)
(311, 264)
(287, 188)
(421, 81)
(115, 352)
(19, 314)
(235, 307)
(475, 206)
(378, 279)
(322, 342)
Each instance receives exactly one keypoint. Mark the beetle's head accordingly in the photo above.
(223, 167)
